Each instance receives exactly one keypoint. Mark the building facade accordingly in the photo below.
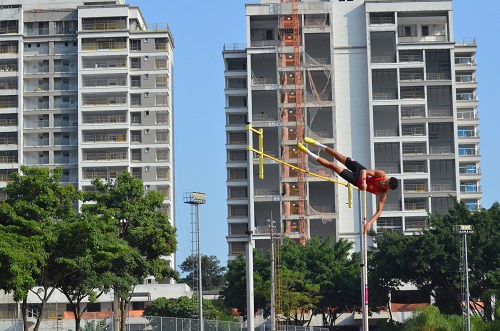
(383, 81)
(87, 86)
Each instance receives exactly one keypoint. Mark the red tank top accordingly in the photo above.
(372, 185)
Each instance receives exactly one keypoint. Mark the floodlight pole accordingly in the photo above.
(196, 199)
(464, 230)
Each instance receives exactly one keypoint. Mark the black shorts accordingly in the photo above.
(354, 171)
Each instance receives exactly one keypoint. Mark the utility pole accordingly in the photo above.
(464, 264)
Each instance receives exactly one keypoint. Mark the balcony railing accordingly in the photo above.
(389, 95)
(8, 67)
(465, 60)
(468, 133)
(8, 140)
(442, 187)
(414, 150)
(465, 79)
(37, 31)
(465, 115)
(414, 168)
(104, 119)
(436, 112)
(101, 26)
(468, 151)
(109, 137)
(413, 131)
(415, 187)
(5, 159)
(386, 133)
(8, 85)
(8, 49)
(466, 97)
(413, 206)
(470, 188)
(104, 82)
(412, 112)
(469, 170)
(105, 156)
(104, 45)
(438, 76)
(441, 149)
(411, 76)
(8, 122)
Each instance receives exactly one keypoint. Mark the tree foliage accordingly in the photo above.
(141, 225)
(213, 273)
(36, 202)
(321, 277)
(431, 259)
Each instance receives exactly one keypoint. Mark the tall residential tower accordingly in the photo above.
(86, 85)
(383, 81)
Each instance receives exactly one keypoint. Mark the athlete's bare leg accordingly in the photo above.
(339, 157)
(329, 165)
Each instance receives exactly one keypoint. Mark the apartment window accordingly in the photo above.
(146, 76)
(135, 118)
(135, 63)
(136, 155)
(162, 154)
(161, 99)
(161, 118)
(161, 63)
(146, 58)
(146, 94)
(135, 99)
(161, 136)
(146, 131)
(146, 40)
(146, 113)
(135, 81)
(146, 150)
(135, 136)
(135, 44)
(162, 172)
(161, 80)
(425, 30)
(147, 168)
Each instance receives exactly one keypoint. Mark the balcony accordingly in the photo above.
(36, 142)
(446, 187)
(470, 188)
(91, 63)
(104, 82)
(110, 156)
(105, 119)
(408, 130)
(8, 66)
(8, 159)
(104, 101)
(467, 115)
(391, 94)
(467, 97)
(6, 122)
(465, 79)
(415, 187)
(416, 205)
(8, 140)
(386, 133)
(441, 149)
(413, 168)
(104, 45)
(104, 25)
(412, 112)
(106, 137)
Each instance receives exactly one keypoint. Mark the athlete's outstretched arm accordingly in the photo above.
(380, 207)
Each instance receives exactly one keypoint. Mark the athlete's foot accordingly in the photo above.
(309, 141)
(302, 148)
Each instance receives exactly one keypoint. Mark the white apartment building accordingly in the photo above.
(383, 81)
(86, 85)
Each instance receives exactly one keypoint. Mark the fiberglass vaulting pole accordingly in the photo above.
(364, 261)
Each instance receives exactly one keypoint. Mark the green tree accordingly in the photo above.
(92, 254)
(213, 273)
(329, 267)
(185, 307)
(234, 292)
(431, 259)
(36, 202)
(141, 225)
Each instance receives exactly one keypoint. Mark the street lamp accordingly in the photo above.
(464, 230)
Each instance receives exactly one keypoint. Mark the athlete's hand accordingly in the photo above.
(363, 187)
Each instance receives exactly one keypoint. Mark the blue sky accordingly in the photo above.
(200, 29)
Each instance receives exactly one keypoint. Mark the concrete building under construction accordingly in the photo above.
(383, 81)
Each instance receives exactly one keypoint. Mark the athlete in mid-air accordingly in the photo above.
(373, 181)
